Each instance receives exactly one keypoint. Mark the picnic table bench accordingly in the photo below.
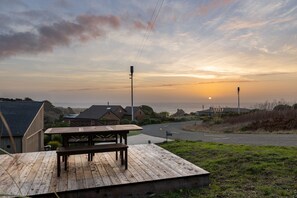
(90, 150)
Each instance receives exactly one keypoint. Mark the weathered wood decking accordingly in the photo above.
(151, 169)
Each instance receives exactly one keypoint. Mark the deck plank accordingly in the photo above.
(72, 182)
(172, 162)
(32, 174)
(36, 173)
(40, 174)
(48, 173)
(155, 165)
(79, 171)
(140, 168)
(111, 173)
(160, 159)
(15, 175)
(88, 177)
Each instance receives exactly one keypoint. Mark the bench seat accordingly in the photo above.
(90, 150)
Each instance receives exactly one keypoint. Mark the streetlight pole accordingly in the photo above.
(131, 77)
(238, 105)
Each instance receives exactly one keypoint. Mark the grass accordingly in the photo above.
(239, 170)
(132, 133)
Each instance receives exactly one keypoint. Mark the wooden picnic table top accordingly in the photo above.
(93, 129)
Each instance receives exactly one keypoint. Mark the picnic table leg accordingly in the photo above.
(58, 165)
(121, 152)
(116, 143)
(122, 158)
(126, 158)
(65, 162)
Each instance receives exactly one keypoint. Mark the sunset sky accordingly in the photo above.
(79, 52)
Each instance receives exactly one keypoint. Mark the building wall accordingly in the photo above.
(109, 119)
(33, 139)
(139, 115)
(120, 112)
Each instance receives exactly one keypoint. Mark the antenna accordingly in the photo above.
(131, 77)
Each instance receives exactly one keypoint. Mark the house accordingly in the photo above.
(26, 122)
(69, 117)
(99, 115)
(138, 113)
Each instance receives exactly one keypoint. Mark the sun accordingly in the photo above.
(209, 98)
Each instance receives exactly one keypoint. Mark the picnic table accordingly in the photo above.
(90, 135)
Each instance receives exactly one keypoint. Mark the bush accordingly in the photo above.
(155, 121)
(294, 106)
(125, 121)
(146, 121)
(54, 144)
(217, 120)
(47, 138)
(57, 138)
(282, 107)
(134, 122)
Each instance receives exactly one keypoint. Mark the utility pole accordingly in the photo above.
(131, 77)
(238, 105)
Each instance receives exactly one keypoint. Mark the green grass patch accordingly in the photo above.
(240, 170)
(131, 133)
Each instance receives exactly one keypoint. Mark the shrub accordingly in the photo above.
(134, 122)
(282, 107)
(57, 138)
(217, 120)
(155, 121)
(54, 144)
(47, 138)
(146, 121)
(125, 121)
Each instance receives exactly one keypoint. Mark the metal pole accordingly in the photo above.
(238, 107)
(132, 108)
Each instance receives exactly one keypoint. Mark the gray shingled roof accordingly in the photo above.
(97, 111)
(19, 115)
(129, 110)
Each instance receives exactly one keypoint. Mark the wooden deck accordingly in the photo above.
(151, 169)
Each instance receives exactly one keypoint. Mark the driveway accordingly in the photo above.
(159, 130)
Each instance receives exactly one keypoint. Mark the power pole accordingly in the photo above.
(238, 105)
(131, 77)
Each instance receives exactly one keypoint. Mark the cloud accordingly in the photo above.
(46, 37)
(270, 74)
(212, 5)
(242, 24)
(142, 26)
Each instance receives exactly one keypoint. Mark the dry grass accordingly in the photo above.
(262, 121)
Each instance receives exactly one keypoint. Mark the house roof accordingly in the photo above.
(97, 111)
(18, 115)
(129, 110)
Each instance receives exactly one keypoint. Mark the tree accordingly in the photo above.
(164, 114)
(148, 110)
